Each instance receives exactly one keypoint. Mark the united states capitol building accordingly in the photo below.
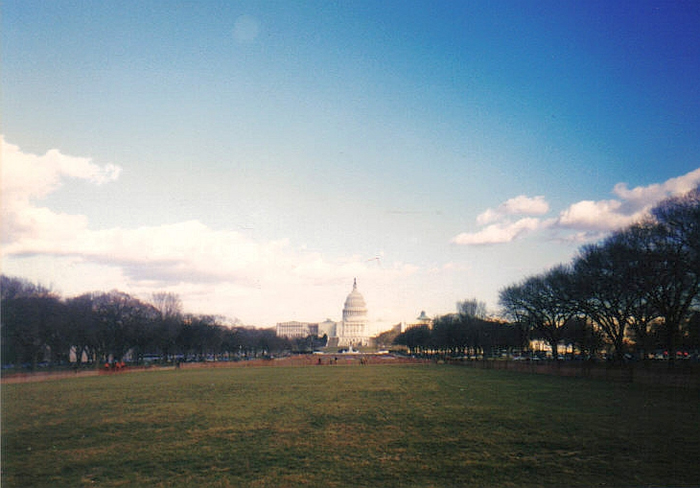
(352, 330)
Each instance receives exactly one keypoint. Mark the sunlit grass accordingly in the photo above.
(408, 425)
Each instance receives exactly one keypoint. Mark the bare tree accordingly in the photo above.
(169, 322)
(119, 317)
(472, 308)
(609, 283)
(544, 303)
(674, 263)
(167, 304)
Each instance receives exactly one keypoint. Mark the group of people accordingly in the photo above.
(114, 366)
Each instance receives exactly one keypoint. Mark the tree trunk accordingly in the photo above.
(555, 349)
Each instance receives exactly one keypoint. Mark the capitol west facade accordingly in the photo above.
(352, 330)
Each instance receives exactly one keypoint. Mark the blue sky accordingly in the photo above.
(255, 157)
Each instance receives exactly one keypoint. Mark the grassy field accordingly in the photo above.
(402, 425)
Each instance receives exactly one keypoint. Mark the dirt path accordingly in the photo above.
(54, 375)
(288, 361)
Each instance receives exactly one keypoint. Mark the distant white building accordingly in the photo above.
(422, 319)
(353, 330)
(293, 330)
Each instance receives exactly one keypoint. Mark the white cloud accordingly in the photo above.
(499, 228)
(631, 206)
(520, 205)
(652, 194)
(580, 222)
(28, 176)
(498, 233)
(590, 215)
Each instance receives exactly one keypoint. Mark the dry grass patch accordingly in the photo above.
(424, 425)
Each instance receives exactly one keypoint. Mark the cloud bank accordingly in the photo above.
(499, 232)
(207, 266)
(520, 205)
(581, 221)
(258, 280)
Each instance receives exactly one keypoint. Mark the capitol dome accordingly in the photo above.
(354, 304)
(353, 328)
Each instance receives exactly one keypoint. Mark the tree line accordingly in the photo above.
(466, 333)
(633, 293)
(638, 290)
(38, 326)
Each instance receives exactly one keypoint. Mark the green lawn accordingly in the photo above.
(401, 425)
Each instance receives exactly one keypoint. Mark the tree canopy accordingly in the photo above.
(39, 326)
(639, 287)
